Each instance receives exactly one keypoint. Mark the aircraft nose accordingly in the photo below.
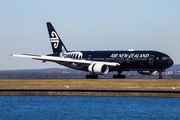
(171, 62)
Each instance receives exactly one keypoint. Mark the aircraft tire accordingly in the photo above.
(87, 76)
(91, 76)
(119, 76)
(160, 76)
(96, 76)
(114, 76)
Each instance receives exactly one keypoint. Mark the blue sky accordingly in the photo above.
(87, 25)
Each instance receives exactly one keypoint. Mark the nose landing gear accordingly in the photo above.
(160, 75)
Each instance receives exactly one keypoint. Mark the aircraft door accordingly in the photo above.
(89, 57)
(151, 59)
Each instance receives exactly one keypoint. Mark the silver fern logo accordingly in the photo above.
(54, 39)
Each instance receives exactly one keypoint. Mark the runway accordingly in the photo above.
(79, 88)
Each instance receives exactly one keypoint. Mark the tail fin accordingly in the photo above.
(56, 43)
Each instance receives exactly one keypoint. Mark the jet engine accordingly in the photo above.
(98, 69)
(146, 72)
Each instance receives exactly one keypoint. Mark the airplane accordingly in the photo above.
(102, 62)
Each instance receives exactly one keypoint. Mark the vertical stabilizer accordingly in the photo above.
(56, 43)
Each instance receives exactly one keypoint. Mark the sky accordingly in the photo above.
(87, 25)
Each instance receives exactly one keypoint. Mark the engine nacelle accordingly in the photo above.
(98, 69)
(146, 72)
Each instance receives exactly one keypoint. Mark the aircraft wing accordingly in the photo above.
(59, 60)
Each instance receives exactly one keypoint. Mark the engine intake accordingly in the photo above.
(98, 69)
(146, 72)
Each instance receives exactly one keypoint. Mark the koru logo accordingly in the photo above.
(54, 39)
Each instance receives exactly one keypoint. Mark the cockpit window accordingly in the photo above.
(164, 58)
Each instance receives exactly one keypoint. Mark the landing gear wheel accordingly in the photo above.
(114, 76)
(96, 76)
(160, 76)
(119, 76)
(91, 76)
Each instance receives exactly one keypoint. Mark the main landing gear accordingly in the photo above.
(91, 76)
(160, 75)
(119, 75)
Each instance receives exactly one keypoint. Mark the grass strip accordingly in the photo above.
(84, 82)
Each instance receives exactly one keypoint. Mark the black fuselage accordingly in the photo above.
(131, 60)
(128, 60)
